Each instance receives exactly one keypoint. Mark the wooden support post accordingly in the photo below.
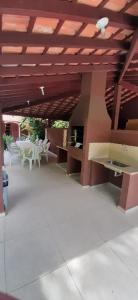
(116, 107)
(1, 164)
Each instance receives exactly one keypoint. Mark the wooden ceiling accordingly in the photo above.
(51, 43)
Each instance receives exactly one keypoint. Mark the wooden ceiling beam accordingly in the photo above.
(19, 99)
(7, 59)
(130, 54)
(9, 82)
(34, 115)
(123, 95)
(128, 5)
(131, 74)
(66, 10)
(129, 98)
(25, 39)
(41, 70)
(123, 99)
(24, 93)
(129, 86)
(13, 90)
(104, 2)
(41, 100)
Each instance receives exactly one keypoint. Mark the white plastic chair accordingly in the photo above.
(46, 147)
(36, 141)
(14, 152)
(40, 142)
(32, 154)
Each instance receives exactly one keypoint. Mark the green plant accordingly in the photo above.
(7, 139)
(60, 124)
(34, 126)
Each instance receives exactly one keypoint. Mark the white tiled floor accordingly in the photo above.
(61, 241)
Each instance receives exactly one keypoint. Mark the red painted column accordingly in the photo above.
(129, 191)
(116, 106)
(1, 164)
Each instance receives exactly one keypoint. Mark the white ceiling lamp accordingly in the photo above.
(101, 26)
(28, 102)
(42, 88)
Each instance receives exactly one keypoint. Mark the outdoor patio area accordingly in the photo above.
(61, 241)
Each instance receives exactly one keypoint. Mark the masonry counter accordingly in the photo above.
(129, 186)
(61, 154)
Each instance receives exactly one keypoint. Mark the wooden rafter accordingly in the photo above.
(40, 40)
(4, 71)
(123, 96)
(55, 58)
(40, 101)
(129, 86)
(104, 2)
(130, 54)
(30, 37)
(19, 99)
(131, 74)
(128, 5)
(66, 11)
(17, 90)
(35, 115)
(6, 82)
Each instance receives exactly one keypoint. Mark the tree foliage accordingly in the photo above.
(34, 126)
(60, 124)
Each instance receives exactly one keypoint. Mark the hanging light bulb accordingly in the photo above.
(42, 88)
(28, 102)
(101, 25)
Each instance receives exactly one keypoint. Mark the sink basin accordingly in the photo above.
(117, 163)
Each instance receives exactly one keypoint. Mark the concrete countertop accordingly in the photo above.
(103, 161)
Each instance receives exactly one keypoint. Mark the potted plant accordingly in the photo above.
(7, 140)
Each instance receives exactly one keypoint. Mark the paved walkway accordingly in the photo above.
(63, 242)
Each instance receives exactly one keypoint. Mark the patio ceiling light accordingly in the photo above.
(28, 102)
(42, 88)
(101, 26)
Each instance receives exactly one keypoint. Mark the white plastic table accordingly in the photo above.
(22, 145)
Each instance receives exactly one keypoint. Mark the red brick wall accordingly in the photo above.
(55, 136)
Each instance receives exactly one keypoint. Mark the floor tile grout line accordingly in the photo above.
(126, 265)
(82, 296)
(36, 279)
(66, 264)
(48, 272)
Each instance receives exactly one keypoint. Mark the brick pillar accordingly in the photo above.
(91, 113)
(97, 124)
(1, 164)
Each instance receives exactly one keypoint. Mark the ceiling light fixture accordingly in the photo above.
(101, 24)
(42, 88)
(28, 102)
